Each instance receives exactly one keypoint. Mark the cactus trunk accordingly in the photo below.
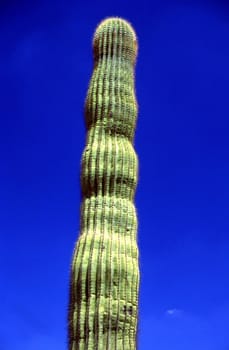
(103, 306)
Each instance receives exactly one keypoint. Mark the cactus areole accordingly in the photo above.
(103, 305)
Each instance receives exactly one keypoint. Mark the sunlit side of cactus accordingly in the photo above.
(103, 306)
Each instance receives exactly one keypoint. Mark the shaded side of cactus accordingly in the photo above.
(103, 306)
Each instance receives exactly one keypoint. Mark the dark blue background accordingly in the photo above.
(182, 84)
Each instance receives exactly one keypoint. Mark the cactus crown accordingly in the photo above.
(115, 37)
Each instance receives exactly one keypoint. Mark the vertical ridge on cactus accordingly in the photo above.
(103, 305)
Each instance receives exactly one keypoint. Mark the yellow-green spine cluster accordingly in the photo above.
(103, 307)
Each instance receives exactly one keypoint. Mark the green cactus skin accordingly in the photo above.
(103, 306)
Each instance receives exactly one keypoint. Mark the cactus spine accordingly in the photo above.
(103, 306)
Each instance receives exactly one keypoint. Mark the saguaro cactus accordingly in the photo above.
(103, 306)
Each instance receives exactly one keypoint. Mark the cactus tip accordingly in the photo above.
(118, 27)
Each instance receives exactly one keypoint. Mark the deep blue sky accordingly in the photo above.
(182, 83)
